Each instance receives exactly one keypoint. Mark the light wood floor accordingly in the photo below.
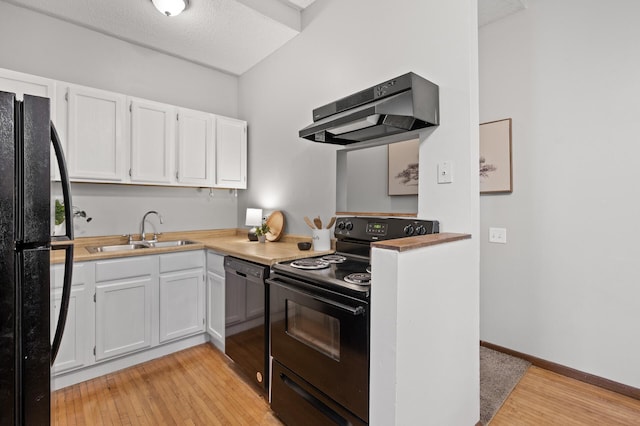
(545, 398)
(199, 386)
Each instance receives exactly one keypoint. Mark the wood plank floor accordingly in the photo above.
(199, 386)
(546, 398)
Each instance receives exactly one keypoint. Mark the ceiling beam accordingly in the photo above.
(278, 11)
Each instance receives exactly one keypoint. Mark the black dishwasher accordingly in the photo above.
(246, 318)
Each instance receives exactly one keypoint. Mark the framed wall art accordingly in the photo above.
(496, 174)
(403, 167)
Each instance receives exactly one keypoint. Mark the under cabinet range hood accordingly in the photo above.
(397, 107)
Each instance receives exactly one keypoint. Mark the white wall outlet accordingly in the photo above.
(498, 235)
(445, 172)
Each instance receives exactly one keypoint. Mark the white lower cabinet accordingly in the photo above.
(125, 310)
(76, 344)
(123, 297)
(182, 300)
(123, 317)
(216, 299)
(181, 304)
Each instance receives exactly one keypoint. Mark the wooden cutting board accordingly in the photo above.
(276, 226)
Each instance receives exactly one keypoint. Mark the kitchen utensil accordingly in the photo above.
(276, 225)
(308, 221)
(331, 222)
(304, 245)
(317, 222)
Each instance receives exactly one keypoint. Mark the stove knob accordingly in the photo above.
(421, 230)
(408, 230)
(349, 226)
(340, 225)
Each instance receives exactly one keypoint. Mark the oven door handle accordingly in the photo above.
(355, 311)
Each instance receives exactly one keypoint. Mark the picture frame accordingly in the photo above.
(495, 165)
(403, 167)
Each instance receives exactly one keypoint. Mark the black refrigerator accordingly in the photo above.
(27, 349)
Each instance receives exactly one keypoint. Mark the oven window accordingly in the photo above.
(315, 329)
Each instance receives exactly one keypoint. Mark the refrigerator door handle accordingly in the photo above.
(66, 295)
(68, 247)
(66, 186)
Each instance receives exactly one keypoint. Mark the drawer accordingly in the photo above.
(215, 263)
(180, 261)
(78, 277)
(109, 270)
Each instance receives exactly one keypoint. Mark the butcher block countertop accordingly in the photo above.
(231, 242)
(412, 243)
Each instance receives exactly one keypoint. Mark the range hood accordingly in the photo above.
(397, 107)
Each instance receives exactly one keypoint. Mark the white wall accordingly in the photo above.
(346, 47)
(118, 209)
(565, 287)
(40, 45)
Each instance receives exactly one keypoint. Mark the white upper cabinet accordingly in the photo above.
(25, 84)
(110, 137)
(195, 147)
(152, 141)
(231, 153)
(95, 134)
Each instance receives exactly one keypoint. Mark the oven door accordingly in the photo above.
(323, 337)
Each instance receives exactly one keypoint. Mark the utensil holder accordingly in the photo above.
(321, 239)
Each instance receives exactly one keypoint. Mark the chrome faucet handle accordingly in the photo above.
(129, 238)
(156, 235)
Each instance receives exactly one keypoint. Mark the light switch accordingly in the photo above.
(445, 172)
(498, 235)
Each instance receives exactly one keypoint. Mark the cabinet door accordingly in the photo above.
(77, 340)
(152, 142)
(95, 134)
(231, 153)
(215, 305)
(71, 352)
(181, 304)
(195, 147)
(25, 84)
(123, 317)
(235, 297)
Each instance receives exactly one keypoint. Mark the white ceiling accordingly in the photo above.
(228, 35)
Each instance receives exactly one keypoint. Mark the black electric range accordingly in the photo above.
(349, 269)
(319, 321)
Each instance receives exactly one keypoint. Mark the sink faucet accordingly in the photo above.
(144, 218)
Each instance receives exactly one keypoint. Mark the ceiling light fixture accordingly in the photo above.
(170, 7)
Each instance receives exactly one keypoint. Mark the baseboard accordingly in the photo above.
(601, 382)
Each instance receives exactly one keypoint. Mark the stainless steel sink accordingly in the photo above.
(117, 247)
(176, 243)
(136, 245)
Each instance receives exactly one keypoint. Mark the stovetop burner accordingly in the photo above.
(358, 278)
(334, 258)
(310, 264)
(348, 270)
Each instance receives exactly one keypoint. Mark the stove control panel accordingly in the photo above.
(377, 229)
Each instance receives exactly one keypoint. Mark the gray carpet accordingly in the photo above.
(499, 374)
